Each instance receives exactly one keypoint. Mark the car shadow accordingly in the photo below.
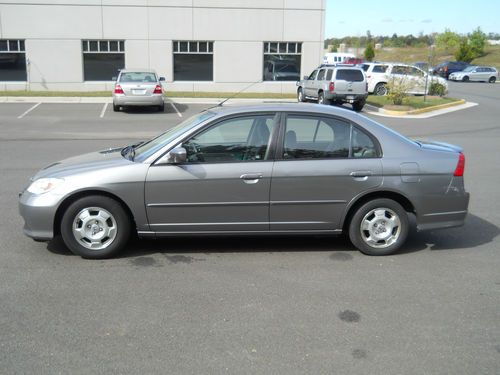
(476, 232)
(168, 109)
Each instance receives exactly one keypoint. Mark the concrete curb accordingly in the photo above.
(420, 110)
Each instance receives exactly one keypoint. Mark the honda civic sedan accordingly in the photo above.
(282, 169)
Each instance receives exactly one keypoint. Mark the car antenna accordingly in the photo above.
(235, 95)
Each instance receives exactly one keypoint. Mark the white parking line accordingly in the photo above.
(28, 111)
(103, 110)
(176, 110)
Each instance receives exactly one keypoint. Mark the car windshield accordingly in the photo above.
(469, 68)
(138, 77)
(146, 149)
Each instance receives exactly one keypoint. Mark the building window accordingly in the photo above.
(12, 60)
(282, 61)
(102, 59)
(193, 61)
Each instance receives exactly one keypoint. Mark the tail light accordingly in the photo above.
(331, 87)
(158, 90)
(459, 170)
(445, 69)
(118, 89)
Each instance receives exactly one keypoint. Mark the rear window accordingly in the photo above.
(379, 68)
(351, 75)
(138, 77)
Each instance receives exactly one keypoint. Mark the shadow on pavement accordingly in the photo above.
(169, 109)
(476, 232)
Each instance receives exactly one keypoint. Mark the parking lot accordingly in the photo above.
(251, 305)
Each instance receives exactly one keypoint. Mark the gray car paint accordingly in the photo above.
(291, 196)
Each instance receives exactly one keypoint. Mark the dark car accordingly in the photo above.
(446, 68)
(267, 169)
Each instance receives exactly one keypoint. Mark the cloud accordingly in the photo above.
(428, 20)
(386, 19)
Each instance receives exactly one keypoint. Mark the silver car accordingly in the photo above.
(475, 73)
(254, 170)
(139, 87)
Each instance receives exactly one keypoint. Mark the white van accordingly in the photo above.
(336, 57)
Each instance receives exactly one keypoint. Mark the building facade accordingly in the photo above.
(197, 45)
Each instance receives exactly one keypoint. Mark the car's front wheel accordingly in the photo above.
(465, 79)
(300, 95)
(379, 227)
(95, 227)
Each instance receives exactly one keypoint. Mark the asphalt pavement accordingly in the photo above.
(248, 305)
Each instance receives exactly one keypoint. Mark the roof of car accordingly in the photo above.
(144, 70)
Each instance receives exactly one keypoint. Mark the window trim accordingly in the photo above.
(281, 137)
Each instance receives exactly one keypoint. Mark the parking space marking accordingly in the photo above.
(28, 110)
(176, 110)
(103, 110)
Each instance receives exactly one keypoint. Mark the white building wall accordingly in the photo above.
(53, 30)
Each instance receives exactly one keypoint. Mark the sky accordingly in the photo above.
(386, 17)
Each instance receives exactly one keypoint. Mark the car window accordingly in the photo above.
(235, 140)
(137, 77)
(379, 69)
(362, 145)
(321, 75)
(313, 74)
(415, 72)
(365, 67)
(329, 75)
(399, 69)
(311, 137)
(351, 75)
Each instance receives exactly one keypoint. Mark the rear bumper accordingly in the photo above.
(446, 219)
(138, 100)
(346, 97)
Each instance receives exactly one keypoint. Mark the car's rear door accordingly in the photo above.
(224, 185)
(322, 163)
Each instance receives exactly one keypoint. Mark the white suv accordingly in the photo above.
(378, 74)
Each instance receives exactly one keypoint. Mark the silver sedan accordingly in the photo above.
(138, 88)
(255, 170)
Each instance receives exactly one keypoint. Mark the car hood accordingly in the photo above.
(84, 163)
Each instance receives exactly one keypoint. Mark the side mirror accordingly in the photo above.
(162, 79)
(177, 155)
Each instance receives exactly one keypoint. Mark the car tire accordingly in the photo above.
(161, 108)
(379, 227)
(300, 95)
(381, 89)
(322, 99)
(95, 227)
(116, 108)
(358, 106)
(465, 79)
(492, 80)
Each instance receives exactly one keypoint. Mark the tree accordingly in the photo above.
(448, 40)
(477, 42)
(369, 52)
(464, 52)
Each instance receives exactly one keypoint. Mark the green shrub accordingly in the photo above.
(437, 89)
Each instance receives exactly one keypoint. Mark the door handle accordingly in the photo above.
(358, 174)
(251, 178)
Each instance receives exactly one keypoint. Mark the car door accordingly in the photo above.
(319, 82)
(418, 77)
(309, 84)
(224, 184)
(322, 163)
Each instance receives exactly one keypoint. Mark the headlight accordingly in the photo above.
(44, 185)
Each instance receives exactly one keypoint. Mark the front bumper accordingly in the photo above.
(38, 212)
(139, 100)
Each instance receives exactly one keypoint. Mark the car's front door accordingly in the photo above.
(323, 164)
(309, 84)
(224, 184)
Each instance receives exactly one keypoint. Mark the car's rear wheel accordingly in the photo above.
(492, 80)
(322, 99)
(465, 79)
(380, 89)
(300, 95)
(95, 227)
(379, 227)
(358, 106)
(161, 108)
(116, 108)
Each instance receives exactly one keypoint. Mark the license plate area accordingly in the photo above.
(138, 91)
